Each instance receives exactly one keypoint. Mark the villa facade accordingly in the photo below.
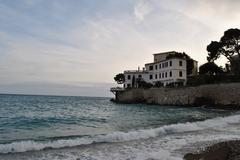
(165, 69)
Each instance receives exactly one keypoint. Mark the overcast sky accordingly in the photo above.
(86, 42)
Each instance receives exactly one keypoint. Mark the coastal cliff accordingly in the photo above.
(215, 94)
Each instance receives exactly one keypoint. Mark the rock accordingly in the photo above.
(221, 151)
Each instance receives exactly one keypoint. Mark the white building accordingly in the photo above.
(165, 69)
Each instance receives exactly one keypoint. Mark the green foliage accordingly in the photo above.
(175, 84)
(178, 55)
(170, 85)
(214, 50)
(210, 68)
(178, 84)
(212, 79)
(120, 78)
(235, 65)
(228, 46)
(143, 84)
(158, 84)
(231, 40)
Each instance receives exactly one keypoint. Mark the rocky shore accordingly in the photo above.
(223, 95)
(229, 150)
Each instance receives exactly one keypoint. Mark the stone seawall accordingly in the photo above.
(215, 94)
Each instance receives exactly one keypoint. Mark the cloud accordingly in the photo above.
(142, 9)
(75, 42)
(216, 14)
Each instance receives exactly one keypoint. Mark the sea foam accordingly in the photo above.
(30, 145)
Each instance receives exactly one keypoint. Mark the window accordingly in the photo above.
(162, 75)
(139, 76)
(180, 74)
(128, 85)
(170, 63)
(170, 73)
(156, 67)
(150, 76)
(160, 66)
(180, 63)
(166, 64)
(163, 65)
(150, 68)
(165, 74)
(156, 76)
(129, 76)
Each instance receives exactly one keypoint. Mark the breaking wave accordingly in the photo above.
(32, 145)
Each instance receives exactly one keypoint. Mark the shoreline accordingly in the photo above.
(228, 150)
(221, 96)
(220, 106)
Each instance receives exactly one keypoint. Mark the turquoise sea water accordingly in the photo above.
(61, 127)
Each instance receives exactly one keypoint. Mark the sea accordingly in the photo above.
(94, 128)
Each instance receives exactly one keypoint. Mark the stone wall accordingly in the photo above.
(217, 94)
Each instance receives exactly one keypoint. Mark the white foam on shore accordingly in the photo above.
(216, 123)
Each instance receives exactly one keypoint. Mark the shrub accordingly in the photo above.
(158, 84)
(143, 84)
(170, 85)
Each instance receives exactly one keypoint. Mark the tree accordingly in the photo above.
(210, 68)
(178, 55)
(120, 78)
(228, 46)
(214, 51)
(231, 42)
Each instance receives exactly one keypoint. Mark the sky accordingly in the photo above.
(76, 47)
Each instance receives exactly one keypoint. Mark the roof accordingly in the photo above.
(165, 60)
(165, 52)
(135, 71)
(151, 63)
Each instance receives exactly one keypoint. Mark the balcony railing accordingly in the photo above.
(135, 71)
